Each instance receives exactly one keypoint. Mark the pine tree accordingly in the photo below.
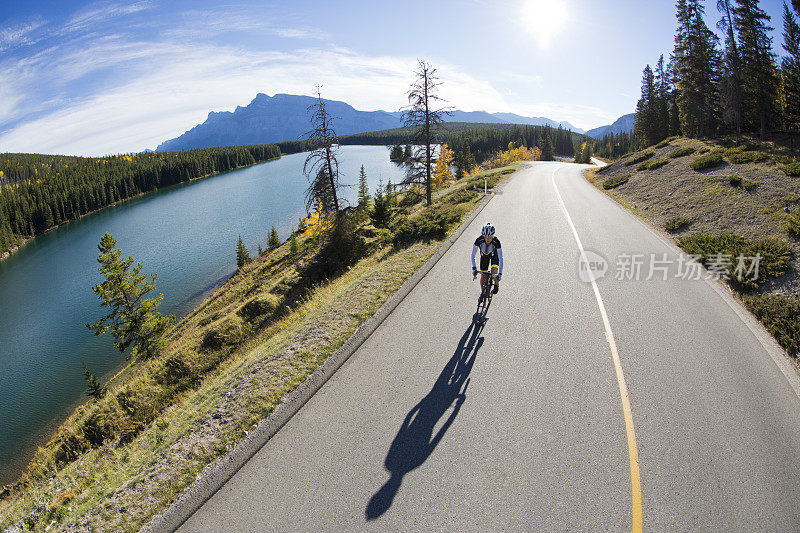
(242, 255)
(293, 243)
(759, 74)
(380, 214)
(93, 387)
(464, 162)
(363, 190)
(661, 105)
(696, 63)
(731, 73)
(545, 144)
(274, 241)
(790, 69)
(396, 155)
(646, 125)
(391, 197)
(134, 320)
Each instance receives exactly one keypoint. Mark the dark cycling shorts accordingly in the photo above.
(485, 262)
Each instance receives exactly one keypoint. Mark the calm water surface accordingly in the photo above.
(186, 234)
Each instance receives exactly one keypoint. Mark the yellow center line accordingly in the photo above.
(633, 452)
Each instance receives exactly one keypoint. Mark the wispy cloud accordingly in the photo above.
(197, 24)
(100, 13)
(99, 90)
(296, 33)
(21, 34)
(133, 94)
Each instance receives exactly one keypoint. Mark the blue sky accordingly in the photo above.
(94, 78)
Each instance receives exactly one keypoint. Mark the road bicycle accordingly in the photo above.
(485, 299)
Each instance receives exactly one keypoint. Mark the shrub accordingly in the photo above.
(229, 332)
(638, 158)
(775, 255)
(677, 223)
(432, 224)
(654, 164)
(779, 315)
(792, 224)
(742, 183)
(258, 307)
(663, 143)
(740, 157)
(461, 196)
(175, 371)
(99, 427)
(792, 169)
(616, 181)
(680, 152)
(705, 162)
(342, 248)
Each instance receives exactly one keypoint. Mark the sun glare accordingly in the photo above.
(544, 19)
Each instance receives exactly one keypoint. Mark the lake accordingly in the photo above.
(186, 234)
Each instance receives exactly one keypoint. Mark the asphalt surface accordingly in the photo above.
(437, 423)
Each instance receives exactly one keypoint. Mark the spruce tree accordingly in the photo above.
(696, 63)
(545, 144)
(93, 387)
(731, 71)
(242, 255)
(759, 73)
(133, 320)
(790, 69)
(274, 241)
(293, 243)
(661, 104)
(396, 155)
(646, 125)
(464, 162)
(380, 210)
(363, 190)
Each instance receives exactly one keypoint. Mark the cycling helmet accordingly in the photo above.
(488, 230)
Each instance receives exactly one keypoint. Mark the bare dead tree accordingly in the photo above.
(425, 117)
(322, 166)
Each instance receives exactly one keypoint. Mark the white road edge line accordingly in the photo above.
(633, 453)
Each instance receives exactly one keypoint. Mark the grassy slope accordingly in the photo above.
(745, 194)
(251, 366)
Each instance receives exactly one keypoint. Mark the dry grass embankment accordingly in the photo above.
(719, 196)
(119, 460)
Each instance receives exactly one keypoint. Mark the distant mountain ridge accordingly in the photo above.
(622, 124)
(284, 117)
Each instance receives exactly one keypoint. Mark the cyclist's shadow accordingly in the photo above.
(415, 441)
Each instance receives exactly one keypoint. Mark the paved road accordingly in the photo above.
(436, 424)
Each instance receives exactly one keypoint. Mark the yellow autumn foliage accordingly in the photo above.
(317, 222)
(443, 174)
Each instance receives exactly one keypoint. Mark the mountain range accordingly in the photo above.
(284, 117)
(622, 124)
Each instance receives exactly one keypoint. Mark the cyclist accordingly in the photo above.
(491, 256)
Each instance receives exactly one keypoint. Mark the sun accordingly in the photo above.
(544, 19)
